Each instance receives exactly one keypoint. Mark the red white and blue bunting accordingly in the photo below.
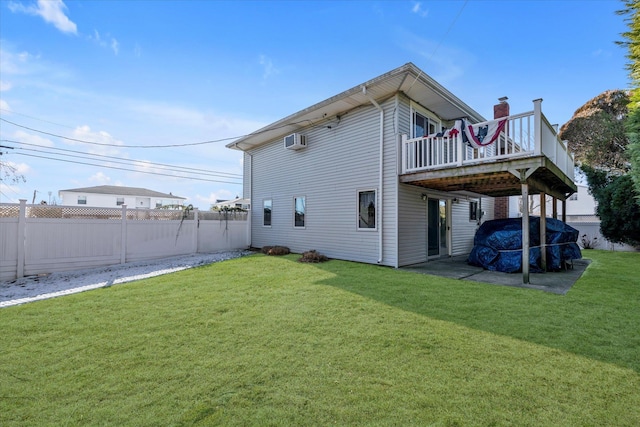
(479, 136)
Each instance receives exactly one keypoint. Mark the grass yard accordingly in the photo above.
(268, 341)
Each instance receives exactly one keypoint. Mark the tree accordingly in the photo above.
(619, 214)
(596, 132)
(632, 44)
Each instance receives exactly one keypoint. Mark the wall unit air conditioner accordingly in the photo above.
(295, 141)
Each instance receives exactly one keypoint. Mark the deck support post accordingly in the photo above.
(543, 231)
(554, 204)
(525, 231)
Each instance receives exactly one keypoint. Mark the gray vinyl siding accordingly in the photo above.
(412, 227)
(336, 163)
(463, 230)
(412, 210)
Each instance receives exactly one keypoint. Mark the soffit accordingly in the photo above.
(407, 79)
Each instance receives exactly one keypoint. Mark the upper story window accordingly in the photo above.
(299, 211)
(423, 122)
(120, 201)
(266, 212)
(82, 200)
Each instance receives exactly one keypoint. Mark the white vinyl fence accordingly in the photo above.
(40, 239)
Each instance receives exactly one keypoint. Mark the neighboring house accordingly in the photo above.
(355, 177)
(581, 206)
(238, 203)
(111, 196)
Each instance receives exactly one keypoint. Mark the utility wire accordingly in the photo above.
(120, 159)
(310, 121)
(441, 40)
(121, 163)
(128, 170)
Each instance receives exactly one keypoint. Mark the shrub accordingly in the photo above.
(275, 250)
(312, 256)
(588, 242)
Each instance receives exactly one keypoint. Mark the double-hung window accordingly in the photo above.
(82, 200)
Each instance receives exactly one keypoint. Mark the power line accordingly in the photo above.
(128, 170)
(310, 121)
(121, 160)
(124, 163)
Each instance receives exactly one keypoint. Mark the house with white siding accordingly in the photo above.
(112, 196)
(383, 173)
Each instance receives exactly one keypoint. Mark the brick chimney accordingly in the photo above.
(501, 204)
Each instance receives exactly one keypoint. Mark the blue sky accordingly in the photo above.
(161, 73)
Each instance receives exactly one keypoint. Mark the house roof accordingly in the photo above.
(408, 79)
(122, 191)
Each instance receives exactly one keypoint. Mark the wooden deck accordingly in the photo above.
(497, 178)
(527, 151)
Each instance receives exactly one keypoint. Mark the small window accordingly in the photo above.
(120, 201)
(299, 211)
(82, 200)
(266, 212)
(473, 210)
(574, 196)
(158, 204)
(367, 209)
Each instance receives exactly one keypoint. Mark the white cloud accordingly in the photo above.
(85, 133)
(114, 46)
(52, 11)
(267, 66)
(5, 86)
(100, 178)
(418, 10)
(23, 136)
(444, 62)
(4, 105)
(214, 197)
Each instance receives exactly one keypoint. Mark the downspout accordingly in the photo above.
(381, 168)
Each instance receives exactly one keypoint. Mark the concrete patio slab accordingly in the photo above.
(457, 268)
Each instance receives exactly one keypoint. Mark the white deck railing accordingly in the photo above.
(524, 135)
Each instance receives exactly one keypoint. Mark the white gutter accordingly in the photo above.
(381, 167)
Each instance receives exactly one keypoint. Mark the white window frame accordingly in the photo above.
(264, 201)
(304, 220)
(433, 119)
(478, 214)
(376, 207)
(119, 201)
(82, 200)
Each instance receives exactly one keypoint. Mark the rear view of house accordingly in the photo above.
(394, 171)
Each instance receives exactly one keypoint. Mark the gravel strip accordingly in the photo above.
(35, 288)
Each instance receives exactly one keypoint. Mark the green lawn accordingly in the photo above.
(270, 341)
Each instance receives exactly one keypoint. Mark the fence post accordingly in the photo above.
(22, 225)
(248, 228)
(123, 235)
(196, 230)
